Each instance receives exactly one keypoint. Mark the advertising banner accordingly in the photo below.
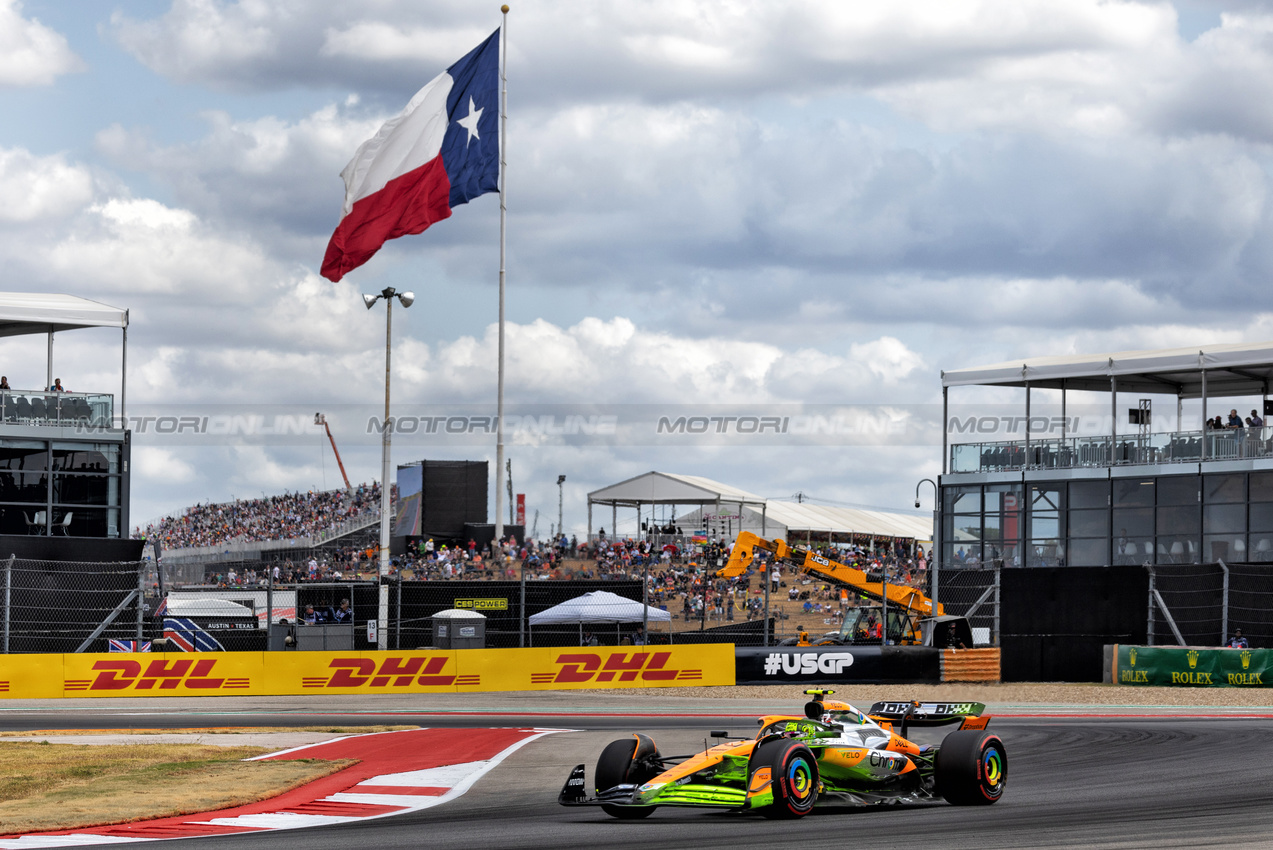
(1192, 666)
(418, 671)
(837, 664)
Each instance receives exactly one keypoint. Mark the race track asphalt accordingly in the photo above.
(1079, 781)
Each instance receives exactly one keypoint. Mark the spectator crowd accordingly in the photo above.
(287, 517)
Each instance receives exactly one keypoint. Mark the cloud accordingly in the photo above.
(31, 54)
(40, 187)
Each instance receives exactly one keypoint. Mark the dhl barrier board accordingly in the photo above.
(413, 671)
(1192, 667)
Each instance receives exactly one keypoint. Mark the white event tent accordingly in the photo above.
(599, 606)
(725, 510)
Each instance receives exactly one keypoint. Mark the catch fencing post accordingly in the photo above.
(269, 606)
(884, 615)
(1149, 635)
(765, 572)
(141, 597)
(994, 639)
(8, 593)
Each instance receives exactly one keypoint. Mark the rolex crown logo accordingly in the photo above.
(1193, 658)
(1131, 656)
(1246, 659)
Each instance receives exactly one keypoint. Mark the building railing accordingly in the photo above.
(1129, 450)
(38, 407)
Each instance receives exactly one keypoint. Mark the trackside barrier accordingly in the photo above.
(865, 664)
(970, 665)
(837, 664)
(1184, 666)
(416, 671)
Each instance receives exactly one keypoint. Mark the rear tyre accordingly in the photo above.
(795, 777)
(616, 767)
(971, 768)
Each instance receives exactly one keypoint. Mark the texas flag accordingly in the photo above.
(439, 152)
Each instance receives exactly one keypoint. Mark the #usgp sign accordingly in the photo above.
(845, 664)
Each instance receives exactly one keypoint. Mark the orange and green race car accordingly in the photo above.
(834, 753)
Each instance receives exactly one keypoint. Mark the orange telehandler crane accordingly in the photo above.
(901, 610)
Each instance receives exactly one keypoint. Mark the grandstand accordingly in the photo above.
(248, 529)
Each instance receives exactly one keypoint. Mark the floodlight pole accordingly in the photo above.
(382, 616)
(934, 557)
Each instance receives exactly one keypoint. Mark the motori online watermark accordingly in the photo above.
(615, 425)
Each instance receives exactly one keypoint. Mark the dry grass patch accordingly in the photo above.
(62, 786)
(210, 730)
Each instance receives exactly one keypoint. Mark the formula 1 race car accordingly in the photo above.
(834, 753)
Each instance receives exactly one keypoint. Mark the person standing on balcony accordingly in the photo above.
(57, 387)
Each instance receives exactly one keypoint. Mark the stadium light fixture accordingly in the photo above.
(561, 479)
(406, 299)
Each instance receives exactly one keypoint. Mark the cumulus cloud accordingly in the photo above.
(264, 173)
(31, 54)
(40, 187)
(718, 203)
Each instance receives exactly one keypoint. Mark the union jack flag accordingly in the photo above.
(191, 637)
(128, 645)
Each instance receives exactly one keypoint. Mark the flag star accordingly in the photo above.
(469, 122)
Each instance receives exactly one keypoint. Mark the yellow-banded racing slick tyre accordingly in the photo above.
(971, 768)
(795, 777)
(616, 766)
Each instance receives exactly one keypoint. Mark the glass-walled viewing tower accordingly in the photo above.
(64, 456)
(1129, 495)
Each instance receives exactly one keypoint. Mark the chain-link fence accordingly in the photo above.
(1204, 604)
(973, 592)
(57, 606)
(236, 606)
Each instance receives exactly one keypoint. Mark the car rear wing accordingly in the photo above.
(969, 715)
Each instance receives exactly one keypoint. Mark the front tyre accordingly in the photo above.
(616, 766)
(794, 772)
(971, 768)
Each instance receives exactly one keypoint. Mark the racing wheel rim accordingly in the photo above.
(801, 781)
(993, 769)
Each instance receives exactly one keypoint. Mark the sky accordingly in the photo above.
(753, 209)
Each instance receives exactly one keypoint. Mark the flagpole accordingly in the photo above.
(503, 210)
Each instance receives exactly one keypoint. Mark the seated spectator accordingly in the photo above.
(343, 614)
(1237, 641)
(287, 517)
(310, 617)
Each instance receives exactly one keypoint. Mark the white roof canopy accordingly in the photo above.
(1231, 370)
(795, 518)
(600, 606)
(666, 488)
(39, 313)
